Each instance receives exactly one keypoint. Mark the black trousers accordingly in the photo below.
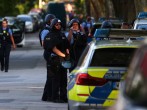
(1, 54)
(56, 82)
(4, 55)
(76, 52)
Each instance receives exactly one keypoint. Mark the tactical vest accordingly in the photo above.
(55, 39)
(5, 36)
(80, 39)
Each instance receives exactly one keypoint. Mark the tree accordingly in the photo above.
(8, 7)
(26, 5)
(79, 6)
(15, 7)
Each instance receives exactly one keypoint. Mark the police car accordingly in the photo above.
(95, 82)
(142, 15)
(140, 24)
(133, 94)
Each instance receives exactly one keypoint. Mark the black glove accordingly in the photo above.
(67, 57)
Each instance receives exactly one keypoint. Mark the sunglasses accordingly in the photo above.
(57, 24)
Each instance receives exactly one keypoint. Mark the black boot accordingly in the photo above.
(2, 68)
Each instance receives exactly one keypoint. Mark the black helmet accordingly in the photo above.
(54, 21)
(106, 24)
(73, 21)
(48, 17)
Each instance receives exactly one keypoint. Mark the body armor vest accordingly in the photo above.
(5, 36)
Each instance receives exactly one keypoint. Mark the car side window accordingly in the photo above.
(112, 57)
(142, 26)
(83, 56)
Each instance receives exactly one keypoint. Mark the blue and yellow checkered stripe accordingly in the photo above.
(104, 95)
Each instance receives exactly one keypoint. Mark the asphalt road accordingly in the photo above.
(22, 87)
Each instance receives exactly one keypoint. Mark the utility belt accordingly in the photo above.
(52, 58)
(7, 44)
(5, 41)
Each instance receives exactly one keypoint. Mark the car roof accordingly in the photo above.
(23, 15)
(116, 43)
(141, 21)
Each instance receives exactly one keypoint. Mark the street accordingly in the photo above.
(22, 86)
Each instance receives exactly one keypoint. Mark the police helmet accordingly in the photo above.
(73, 21)
(55, 21)
(106, 24)
(48, 17)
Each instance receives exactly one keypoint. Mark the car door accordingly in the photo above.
(106, 69)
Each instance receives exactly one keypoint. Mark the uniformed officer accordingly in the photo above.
(77, 39)
(43, 33)
(45, 30)
(107, 24)
(6, 39)
(56, 49)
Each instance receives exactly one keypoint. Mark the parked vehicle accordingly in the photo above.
(140, 24)
(29, 22)
(142, 15)
(95, 82)
(38, 18)
(13, 20)
(116, 23)
(133, 95)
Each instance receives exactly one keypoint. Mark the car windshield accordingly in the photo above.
(112, 57)
(25, 18)
(142, 26)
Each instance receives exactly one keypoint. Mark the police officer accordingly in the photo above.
(77, 39)
(6, 39)
(107, 24)
(43, 33)
(45, 30)
(56, 49)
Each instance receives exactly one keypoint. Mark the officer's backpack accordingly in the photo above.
(45, 28)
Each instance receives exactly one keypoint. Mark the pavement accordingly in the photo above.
(22, 89)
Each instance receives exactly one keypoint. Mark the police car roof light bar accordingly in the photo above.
(119, 33)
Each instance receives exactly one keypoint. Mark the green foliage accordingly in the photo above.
(15, 7)
(26, 6)
(8, 8)
(79, 6)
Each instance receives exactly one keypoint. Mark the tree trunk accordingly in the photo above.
(88, 8)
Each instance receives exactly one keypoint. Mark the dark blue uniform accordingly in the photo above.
(5, 49)
(55, 87)
(78, 46)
